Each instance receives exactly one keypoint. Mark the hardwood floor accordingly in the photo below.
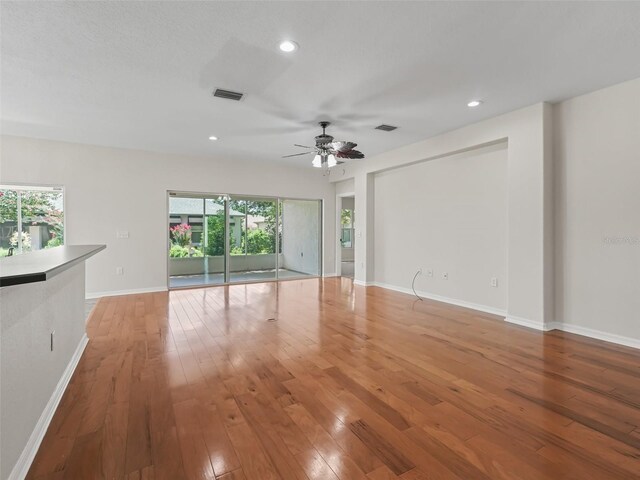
(318, 379)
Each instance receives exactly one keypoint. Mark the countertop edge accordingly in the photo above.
(47, 274)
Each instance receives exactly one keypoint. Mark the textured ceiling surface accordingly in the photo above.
(140, 74)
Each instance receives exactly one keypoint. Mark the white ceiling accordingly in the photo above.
(140, 74)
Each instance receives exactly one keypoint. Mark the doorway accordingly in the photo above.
(347, 236)
(217, 239)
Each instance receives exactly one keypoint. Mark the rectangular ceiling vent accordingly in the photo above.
(228, 94)
(386, 128)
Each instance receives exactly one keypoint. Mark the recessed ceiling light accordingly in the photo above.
(213, 138)
(288, 46)
(474, 103)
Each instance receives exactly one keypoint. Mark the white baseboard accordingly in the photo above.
(21, 468)
(114, 293)
(440, 298)
(525, 322)
(578, 330)
(327, 275)
(597, 334)
(363, 284)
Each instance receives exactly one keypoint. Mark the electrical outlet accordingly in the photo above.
(429, 273)
(494, 282)
(122, 234)
(445, 276)
(119, 271)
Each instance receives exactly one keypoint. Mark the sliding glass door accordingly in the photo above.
(253, 251)
(197, 245)
(220, 239)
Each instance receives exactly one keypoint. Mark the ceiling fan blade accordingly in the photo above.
(297, 154)
(301, 146)
(350, 154)
(343, 146)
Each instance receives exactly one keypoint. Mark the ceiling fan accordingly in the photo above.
(327, 151)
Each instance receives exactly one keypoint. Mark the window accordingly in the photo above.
(31, 218)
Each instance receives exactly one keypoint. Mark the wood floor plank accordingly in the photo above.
(386, 452)
(322, 379)
(138, 450)
(86, 458)
(114, 439)
(315, 466)
(373, 402)
(338, 459)
(195, 457)
(583, 419)
(235, 475)
(255, 463)
(281, 458)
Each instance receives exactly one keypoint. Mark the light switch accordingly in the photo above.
(122, 234)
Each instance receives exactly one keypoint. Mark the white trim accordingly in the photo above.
(440, 298)
(363, 284)
(327, 275)
(21, 468)
(92, 295)
(525, 322)
(552, 326)
(597, 334)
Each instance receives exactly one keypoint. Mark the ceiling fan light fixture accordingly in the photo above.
(326, 151)
(288, 46)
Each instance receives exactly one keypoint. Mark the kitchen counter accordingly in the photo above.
(42, 337)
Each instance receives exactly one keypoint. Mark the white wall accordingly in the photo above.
(345, 188)
(530, 220)
(110, 189)
(447, 215)
(348, 203)
(300, 236)
(597, 154)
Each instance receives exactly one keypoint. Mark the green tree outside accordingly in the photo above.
(254, 242)
(37, 208)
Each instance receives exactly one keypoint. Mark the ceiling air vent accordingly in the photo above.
(228, 94)
(386, 128)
